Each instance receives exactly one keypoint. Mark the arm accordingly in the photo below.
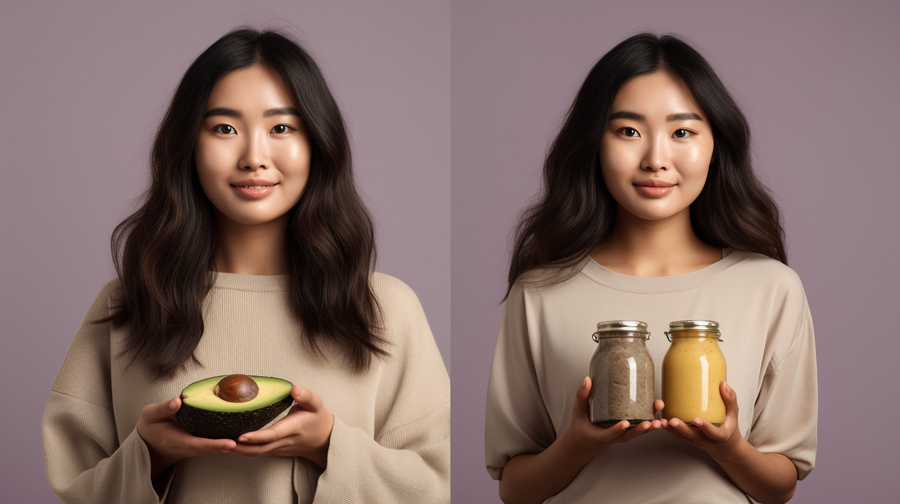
(405, 455)
(84, 458)
(407, 458)
(767, 477)
(522, 448)
(83, 455)
(780, 448)
(529, 478)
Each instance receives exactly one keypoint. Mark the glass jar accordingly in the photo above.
(691, 372)
(621, 374)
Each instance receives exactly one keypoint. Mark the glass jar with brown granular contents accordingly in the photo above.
(621, 374)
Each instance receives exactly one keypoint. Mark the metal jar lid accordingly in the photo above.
(634, 326)
(694, 325)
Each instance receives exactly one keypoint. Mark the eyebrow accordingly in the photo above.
(227, 112)
(683, 116)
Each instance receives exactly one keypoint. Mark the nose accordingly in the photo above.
(658, 156)
(256, 153)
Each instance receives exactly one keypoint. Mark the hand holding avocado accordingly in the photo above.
(304, 432)
(167, 442)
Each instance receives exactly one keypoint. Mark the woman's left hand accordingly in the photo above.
(304, 432)
(715, 440)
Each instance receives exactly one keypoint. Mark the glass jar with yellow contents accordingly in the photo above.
(691, 372)
(621, 374)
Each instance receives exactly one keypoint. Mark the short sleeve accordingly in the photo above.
(516, 418)
(786, 410)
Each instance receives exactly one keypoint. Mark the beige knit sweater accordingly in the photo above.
(391, 436)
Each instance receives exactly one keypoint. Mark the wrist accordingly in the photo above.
(578, 448)
(733, 450)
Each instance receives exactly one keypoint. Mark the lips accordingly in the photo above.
(254, 188)
(654, 187)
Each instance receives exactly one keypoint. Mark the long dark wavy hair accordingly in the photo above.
(575, 211)
(164, 252)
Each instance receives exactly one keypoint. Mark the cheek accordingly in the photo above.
(210, 160)
(616, 165)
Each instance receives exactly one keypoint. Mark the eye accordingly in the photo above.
(224, 129)
(281, 129)
(629, 132)
(682, 133)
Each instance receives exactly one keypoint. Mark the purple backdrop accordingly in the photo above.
(818, 82)
(84, 85)
(83, 88)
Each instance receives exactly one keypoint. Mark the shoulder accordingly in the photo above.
(401, 311)
(755, 268)
(108, 298)
(391, 292)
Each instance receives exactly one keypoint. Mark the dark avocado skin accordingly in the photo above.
(227, 425)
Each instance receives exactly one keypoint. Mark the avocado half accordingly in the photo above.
(204, 414)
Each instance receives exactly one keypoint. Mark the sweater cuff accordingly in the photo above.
(161, 486)
(340, 482)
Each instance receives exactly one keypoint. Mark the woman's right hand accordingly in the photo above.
(595, 438)
(167, 442)
(533, 478)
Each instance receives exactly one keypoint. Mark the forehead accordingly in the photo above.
(658, 93)
(253, 87)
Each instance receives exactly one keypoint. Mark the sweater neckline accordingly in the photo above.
(253, 283)
(658, 285)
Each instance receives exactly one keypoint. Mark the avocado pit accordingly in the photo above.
(236, 388)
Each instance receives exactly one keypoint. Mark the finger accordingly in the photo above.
(160, 411)
(581, 399)
(280, 429)
(610, 433)
(712, 432)
(658, 405)
(637, 430)
(675, 433)
(306, 399)
(255, 450)
(678, 426)
(729, 396)
(176, 436)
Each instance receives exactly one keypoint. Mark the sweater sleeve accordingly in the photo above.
(516, 418)
(84, 459)
(408, 459)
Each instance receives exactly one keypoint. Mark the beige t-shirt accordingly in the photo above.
(391, 436)
(544, 348)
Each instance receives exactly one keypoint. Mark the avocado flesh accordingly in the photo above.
(204, 414)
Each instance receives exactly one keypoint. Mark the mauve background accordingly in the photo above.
(818, 82)
(84, 85)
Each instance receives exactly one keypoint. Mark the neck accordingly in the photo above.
(646, 248)
(252, 250)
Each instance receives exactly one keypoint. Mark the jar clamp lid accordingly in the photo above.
(693, 325)
(631, 326)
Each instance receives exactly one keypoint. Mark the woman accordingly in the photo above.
(251, 254)
(650, 211)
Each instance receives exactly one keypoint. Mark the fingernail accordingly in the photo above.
(173, 404)
(728, 387)
(584, 383)
(243, 439)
